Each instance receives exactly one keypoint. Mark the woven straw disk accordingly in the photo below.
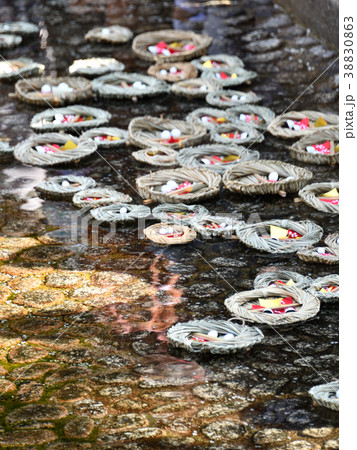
(220, 134)
(181, 336)
(267, 279)
(6, 151)
(143, 41)
(149, 186)
(21, 28)
(100, 136)
(184, 71)
(313, 193)
(180, 235)
(64, 186)
(109, 35)
(298, 149)
(333, 242)
(194, 88)
(99, 197)
(219, 62)
(263, 119)
(156, 156)
(324, 255)
(26, 151)
(279, 128)
(210, 225)
(14, 69)
(242, 178)
(179, 213)
(323, 282)
(9, 40)
(46, 120)
(146, 132)
(236, 76)
(208, 117)
(119, 85)
(95, 67)
(325, 395)
(229, 98)
(257, 235)
(29, 91)
(240, 305)
(120, 212)
(197, 156)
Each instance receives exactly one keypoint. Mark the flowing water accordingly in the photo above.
(85, 362)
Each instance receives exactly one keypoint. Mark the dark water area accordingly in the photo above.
(94, 355)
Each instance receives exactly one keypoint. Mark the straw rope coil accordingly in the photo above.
(179, 213)
(184, 234)
(223, 98)
(146, 132)
(321, 282)
(201, 42)
(64, 186)
(224, 62)
(95, 67)
(265, 115)
(257, 236)
(211, 225)
(44, 121)
(156, 156)
(114, 34)
(332, 241)
(99, 197)
(243, 338)
(120, 212)
(324, 255)
(207, 116)
(242, 177)
(253, 135)
(120, 85)
(325, 395)
(310, 195)
(277, 126)
(298, 149)
(97, 133)
(20, 28)
(19, 68)
(29, 91)
(194, 88)
(266, 279)
(26, 152)
(197, 156)
(240, 305)
(149, 186)
(6, 151)
(9, 40)
(185, 70)
(236, 76)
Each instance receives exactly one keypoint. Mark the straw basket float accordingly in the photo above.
(14, 69)
(179, 213)
(108, 137)
(216, 157)
(209, 117)
(199, 184)
(217, 63)
(326, 395)
(29, 91)
(230, 77)
(170, 234)
(156, 156)
(278, 127)
(173, 72)
(20, 28)
(279, 236)
(6, 152)
(252, 177)
(194, 88)
(229, 98)
(258, 305)
(147, 132)
(64, 186)
(9, 40)
(236, 133)
(71, 149)
(69, 118)
(333, 242)
(232, 338)
(99, 197)
(120, 212)
(257, 116)
(324, 255)
(327, 288)
(315, 196)
(109, 35)
(95, 67)
(279, 278)
(120, 85)
(181, 45)
(210, 225)
(326, 150)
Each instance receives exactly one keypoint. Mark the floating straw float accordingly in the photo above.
(313, 195)
(209, 117)
(324, 255)
(108, 137)
(229, 98)
(109, 35)
(9, 40)
(211, 225)
(95, 67)
(64, 187)
(156, 156)
(231, 77)
(173, 72)
(14, 69)
(21, 28)
(257, 116)
(120, 212)
(179, 213)
(175, 234)
(326, 288)
(99, 197)
(236, 133)
(194, 88)
(279, 278)
(326, 395)
(217, 63)
(332, 241)
(325, 156)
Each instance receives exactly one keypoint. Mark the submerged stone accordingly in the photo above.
(270, 436)
(69, 374)
(78, 428)
(225, 430)
(11, 311)
(30, 391)
(25, 438)
(47, 253)
(123, 421)
(90, 408)
(40, 412)
(40, 298)
(26, 354)
(5, 293)
(55, 341)
(10, 246)
(64, 280)
(71, 393)
(8, 338)
(25, 284)
(33, 371)
(35, 325)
